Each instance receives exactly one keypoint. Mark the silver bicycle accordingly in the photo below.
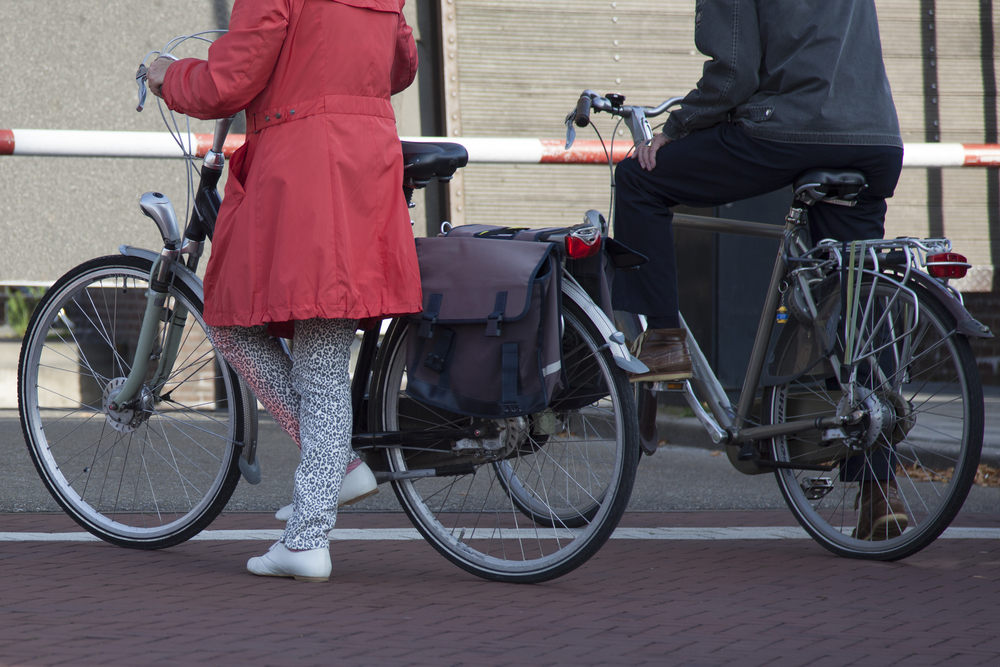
(140, 430)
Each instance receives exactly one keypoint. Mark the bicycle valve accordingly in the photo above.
(156, 206)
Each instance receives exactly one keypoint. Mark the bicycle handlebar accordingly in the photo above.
(634, 116)
(582, 113)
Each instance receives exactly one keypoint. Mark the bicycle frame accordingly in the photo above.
(199, 228)
(733, 428)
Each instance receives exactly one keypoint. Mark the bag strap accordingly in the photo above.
(501, 232)
(439, 353)
(496, 317)
(429, 317)
(508, 378)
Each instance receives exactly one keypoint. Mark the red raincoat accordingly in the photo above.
(314, 222)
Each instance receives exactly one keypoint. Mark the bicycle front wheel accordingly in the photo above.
(548, 500)
(919, 441)
(146, 477)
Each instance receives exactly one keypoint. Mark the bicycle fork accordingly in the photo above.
(157, 207)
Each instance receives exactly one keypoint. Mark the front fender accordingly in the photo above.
(189, 277)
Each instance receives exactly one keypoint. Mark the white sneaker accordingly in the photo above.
(359, 483)
(279, 561)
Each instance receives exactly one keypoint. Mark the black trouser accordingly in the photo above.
(724, 164)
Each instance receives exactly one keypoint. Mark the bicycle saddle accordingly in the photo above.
(834, 186)
(425, 161)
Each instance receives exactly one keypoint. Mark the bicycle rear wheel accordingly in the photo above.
(156, 474)
(922, 432)
(570, 469)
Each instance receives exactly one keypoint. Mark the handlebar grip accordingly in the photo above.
(582, 111)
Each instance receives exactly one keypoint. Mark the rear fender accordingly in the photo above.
(966, 324)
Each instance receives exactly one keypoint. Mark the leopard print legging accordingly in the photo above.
(310, 398)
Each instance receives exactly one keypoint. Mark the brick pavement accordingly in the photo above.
(750, 602)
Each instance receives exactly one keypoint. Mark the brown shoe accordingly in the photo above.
(665, 353)
(882, 515)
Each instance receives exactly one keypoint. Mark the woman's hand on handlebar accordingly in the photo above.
(646, 153)
(154, 76)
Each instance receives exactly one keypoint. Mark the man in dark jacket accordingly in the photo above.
(791, 85)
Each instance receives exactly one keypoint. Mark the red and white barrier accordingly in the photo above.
(85, 143)
(80, 143)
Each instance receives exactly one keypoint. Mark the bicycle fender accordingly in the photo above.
(249, 465)
(190, 278)
(966, 324)
(614, 339)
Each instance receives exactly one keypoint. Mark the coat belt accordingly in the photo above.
(325, 104)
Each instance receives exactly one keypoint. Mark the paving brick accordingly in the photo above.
(785, 603)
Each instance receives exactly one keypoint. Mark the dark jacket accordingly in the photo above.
(801, 71)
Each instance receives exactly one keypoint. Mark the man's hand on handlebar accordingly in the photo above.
(154, 77)
(646, 153)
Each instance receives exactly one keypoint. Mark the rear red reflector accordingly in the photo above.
(947, 265)
(577, 248)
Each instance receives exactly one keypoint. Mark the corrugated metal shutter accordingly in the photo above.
(940, 58)
(515, 68)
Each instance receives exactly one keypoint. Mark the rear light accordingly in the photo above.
(947, 265)
(583, 243)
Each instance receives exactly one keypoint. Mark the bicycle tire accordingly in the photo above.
(580, 368)
(932, 420)
(165, 475)
(574, 490)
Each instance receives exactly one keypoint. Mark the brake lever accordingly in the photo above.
(570, 130)
(140, 80)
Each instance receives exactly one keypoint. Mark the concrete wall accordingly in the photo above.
(71, 65)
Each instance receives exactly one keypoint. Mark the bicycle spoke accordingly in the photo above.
(155, 472)
(914, 368)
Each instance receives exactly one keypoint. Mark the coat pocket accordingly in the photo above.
(236, 183)
(755, 114)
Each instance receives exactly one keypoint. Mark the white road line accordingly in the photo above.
(396, 534)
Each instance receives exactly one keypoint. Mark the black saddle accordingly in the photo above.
(834, 186)
(425, 161)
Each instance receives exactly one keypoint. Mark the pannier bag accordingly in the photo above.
(488, 342)
(594, 274)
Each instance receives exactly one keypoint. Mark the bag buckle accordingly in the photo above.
(429, 317)
(439, 353)
(496, 317)
(426, 326)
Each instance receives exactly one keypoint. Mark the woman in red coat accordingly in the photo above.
(313, 233)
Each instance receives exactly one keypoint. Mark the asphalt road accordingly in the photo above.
(676, 478)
